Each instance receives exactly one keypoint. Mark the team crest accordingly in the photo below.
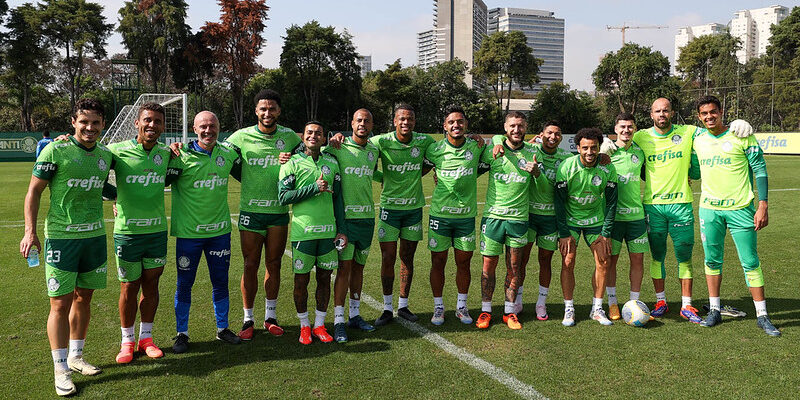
(371, 156)
(432, 242)
(122, 272)
(634, 159)
(483, 245)
(326, 170)
(102, 165)
(53, 284)
(727, 146)
(183, 263)
(414, 152)
(381, 232)
(596, 180)
(157, 159)
(280, 144)
(298, 264)
(468, 155)
(220, 161)
(522, 163)
(677, 139)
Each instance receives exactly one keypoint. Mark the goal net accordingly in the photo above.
(176, 124)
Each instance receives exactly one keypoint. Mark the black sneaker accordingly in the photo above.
(358, 323)
(764, 323)
(181, 344)
(713, 318)
(227, 336)
(340, 333)
(385, 318)
(406, 314)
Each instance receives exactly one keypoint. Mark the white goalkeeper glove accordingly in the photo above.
(741, 128)
(608, 146)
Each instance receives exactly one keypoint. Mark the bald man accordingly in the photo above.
(201, 222)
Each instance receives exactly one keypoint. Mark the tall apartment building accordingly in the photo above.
(545, 34)
(686, 34)
(365, 62)
(458, 30)
(752, 27)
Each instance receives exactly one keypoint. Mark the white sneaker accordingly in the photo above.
(438, 316)
(569, 317)
(79, 365)
(463, 315)
(600, 316)
(541, 312)
(64, 385)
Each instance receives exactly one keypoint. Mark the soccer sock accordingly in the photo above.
(569, 305)
(145, 330)
(713, 303)
(355, 308)
(461, 301)
(128, 334)
(387, 303)
(518, 300)
(686, 301)
(184, 332)
(761, 307)
(612, 294)
(634, 295)
(509, 307)
(486, 306)
(319, 318)
(272, 306)
(303, 319)
(248, 314)
(220, 329)
(60, 359)
(402, 302)
(542, 295)
(661, 296)
(438, 302)
(597, 303)
(76, 348)
(338, 314)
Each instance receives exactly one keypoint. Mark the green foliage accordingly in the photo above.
(572, 108)
(710, 60)
(630, 76)
(152, 31)
(504, 59)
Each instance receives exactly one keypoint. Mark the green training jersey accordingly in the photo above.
(585, 196)
(666, 167)
(260, 167)
(357, 165)
(508, 192)
(401, 164)
(200, 191)
(76, 176)
(315, 214)
(457, 169)
(628, 163)
(725, 167)
(140, 177)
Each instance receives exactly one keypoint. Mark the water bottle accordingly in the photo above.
(33, 257)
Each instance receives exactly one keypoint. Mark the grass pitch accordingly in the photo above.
(670, 358)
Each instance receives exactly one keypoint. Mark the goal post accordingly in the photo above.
(175, 119)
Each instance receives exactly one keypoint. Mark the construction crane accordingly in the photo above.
(625, 27)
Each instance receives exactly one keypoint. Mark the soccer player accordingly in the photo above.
(202, 224)
(585, 204)
(140, 227)
(456, 160)
(726, 202)
(402, 155)
(75, 239)
(263, 221)
(357, 159)
(629, 223)
(311, 182)
(505, 218)
(44, 142)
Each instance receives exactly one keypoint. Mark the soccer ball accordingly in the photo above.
(635, 313)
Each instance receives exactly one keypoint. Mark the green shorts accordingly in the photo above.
(137, 252)
(542, 229)
(359, 240)
(669, 218)
(495, 233)
(714, 224)
(633, 233)
(259, 222)
(71, 263)
(405, 224)
(308, 253)
(590, 233)
(444, 233)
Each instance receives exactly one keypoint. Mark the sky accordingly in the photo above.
(387, 30)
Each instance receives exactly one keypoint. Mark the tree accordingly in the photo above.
(573, 109)
(710, 60)
(152, 31)
(27, 55)
(784, 44)
(79, 29)
(504, 59)
(317, 59)
(236, 43)
(631, 74)
(192, 65)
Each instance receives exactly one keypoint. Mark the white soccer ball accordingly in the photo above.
(635, 313)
